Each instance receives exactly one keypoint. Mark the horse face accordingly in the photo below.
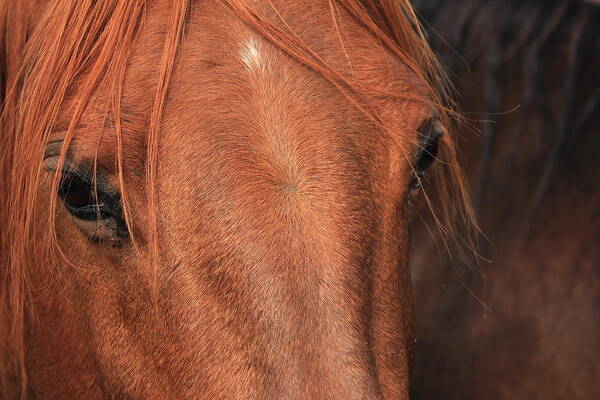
(281, 222)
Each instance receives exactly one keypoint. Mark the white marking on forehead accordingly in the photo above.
(251, 55)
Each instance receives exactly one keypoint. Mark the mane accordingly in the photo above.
(520, 41)
(89, 42)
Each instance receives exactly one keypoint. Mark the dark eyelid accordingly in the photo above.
(53, 148)
(431, 127)
(88, 178)
(84, 171)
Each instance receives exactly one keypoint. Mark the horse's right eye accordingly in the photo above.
(80, 198)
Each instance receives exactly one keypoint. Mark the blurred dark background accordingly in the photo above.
(523, 322)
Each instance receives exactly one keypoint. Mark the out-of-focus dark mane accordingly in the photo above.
(534, 55)
(527, 74)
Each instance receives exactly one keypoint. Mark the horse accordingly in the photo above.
(524, 323)
(211, 199)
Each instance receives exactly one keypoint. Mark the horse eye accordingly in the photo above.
(427, 151)
(79, 198)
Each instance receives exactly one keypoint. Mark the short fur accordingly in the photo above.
(264, 197)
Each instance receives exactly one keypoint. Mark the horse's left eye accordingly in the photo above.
(427, 151)
(81, 199)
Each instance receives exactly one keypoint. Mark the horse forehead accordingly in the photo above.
(220, 52)
(228, 76)
(231, 81)
(216, 35)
